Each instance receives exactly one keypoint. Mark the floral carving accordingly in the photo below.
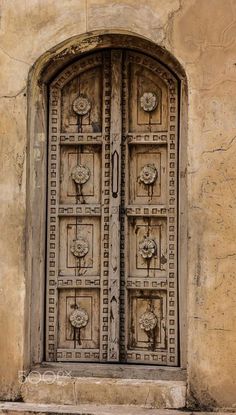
(79, 247)
(79, 318)
(80, 174)
(148, 174)
(148, 101)
(81, 105)
(147, 248)
(148, 321)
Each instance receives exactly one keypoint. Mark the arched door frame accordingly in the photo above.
(43, 71)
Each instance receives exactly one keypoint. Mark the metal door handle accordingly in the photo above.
(115, 174)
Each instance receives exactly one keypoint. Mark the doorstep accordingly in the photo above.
(52, 388)
(18, 408)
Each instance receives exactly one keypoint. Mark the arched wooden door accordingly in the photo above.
(112, 211)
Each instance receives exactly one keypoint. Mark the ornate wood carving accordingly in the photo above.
(112, 211)
(149, 101)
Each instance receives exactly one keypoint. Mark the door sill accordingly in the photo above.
(19, 408)
(50, 386)
(114, 371)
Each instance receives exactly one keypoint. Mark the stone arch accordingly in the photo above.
(44, 70)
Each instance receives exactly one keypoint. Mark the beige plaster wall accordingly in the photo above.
(201, 35)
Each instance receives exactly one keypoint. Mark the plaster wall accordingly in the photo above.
(201, 35)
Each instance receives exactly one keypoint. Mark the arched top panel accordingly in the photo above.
(81, 84)
(50, 64)
(96, 59)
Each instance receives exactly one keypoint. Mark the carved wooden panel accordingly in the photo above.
(147, 247)
(112, 211)
(148, 178)
(78, 319)
(147, 323)
(70, 190)
(79, 246)
(148, 97)
(84, 89)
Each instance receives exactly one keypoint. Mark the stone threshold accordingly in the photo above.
(54, 388)
(18, 408)
(116, 371)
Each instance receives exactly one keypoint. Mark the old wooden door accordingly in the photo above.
(112, 211)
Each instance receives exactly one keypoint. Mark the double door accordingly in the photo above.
(112, 211)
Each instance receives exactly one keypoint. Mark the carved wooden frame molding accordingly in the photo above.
(42, 72)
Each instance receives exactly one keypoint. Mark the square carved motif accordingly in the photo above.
(147, 314)
(147, 247)
(147, 175)
(88, 165)
(79, 318)
(79, 246)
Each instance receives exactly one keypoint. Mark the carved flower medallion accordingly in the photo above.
(79, 318)
(148, 174)
(148, 101)
(147, 248)
(79, 247)
(148, 321)
(80, 174)
(81, 105)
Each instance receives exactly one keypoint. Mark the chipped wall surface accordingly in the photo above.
(201, 35)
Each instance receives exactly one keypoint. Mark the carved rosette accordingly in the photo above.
(148, 101)
(79, 248)
(80, 174)
(81, 105)
(148, 321)
(147, 248)
(79, 318)
(148, 174)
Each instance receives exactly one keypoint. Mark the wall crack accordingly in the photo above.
(14, 59)
(221, 148)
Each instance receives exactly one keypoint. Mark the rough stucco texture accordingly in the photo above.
(202, 36)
